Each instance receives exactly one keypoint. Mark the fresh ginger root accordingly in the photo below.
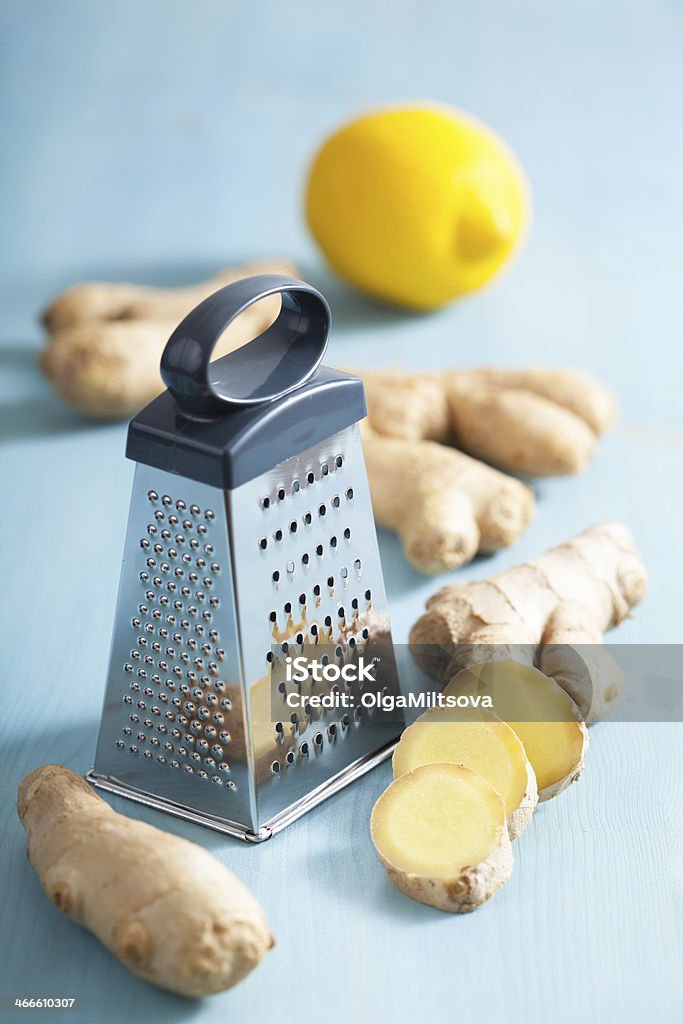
(479, 740)
(550, 613)
(441, 836)
(106, 340)
(537, 422)
(107, 369)
(444, 505)
(541, 713)
(98, 300)
(164, 906)
(413, 407)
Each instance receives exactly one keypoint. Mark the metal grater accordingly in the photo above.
(250, 540)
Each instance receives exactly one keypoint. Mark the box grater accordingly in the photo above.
(250, 540)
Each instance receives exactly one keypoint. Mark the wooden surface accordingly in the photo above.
(162, 140)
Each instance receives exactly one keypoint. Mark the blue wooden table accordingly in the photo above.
(159, 141)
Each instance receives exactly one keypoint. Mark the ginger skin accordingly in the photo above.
(171, 912)
(98, 300)
(413, 407)
(537, 422)
(444, 505)
(103, 358)
(551, 613)
(106, 340)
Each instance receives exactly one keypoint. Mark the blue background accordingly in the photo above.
(159, 141)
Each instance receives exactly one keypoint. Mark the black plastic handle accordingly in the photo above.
(273, 364)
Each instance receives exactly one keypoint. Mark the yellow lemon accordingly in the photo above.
(416, 205)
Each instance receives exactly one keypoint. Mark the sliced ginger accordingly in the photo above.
(544, 717)
(480, 741)
(441, 836)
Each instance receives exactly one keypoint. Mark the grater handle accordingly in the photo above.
(273, 364)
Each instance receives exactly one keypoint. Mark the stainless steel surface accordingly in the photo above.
(140, 796)
(231, 828)
(172, 722)
(217, 589)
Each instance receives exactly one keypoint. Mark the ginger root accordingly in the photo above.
(106, 340)
(537, 422)
(551, 613)
(97, 300)
(444, 505)
(413, 407)
(479, 740)
(103, 358)
(441, 836)
(164, 906)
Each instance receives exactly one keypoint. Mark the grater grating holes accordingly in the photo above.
(306, 748)
(201, 748)
(342, 620)
(279, 495)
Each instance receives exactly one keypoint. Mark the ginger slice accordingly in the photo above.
(480, 741)
(440, 834)
(541, 713)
